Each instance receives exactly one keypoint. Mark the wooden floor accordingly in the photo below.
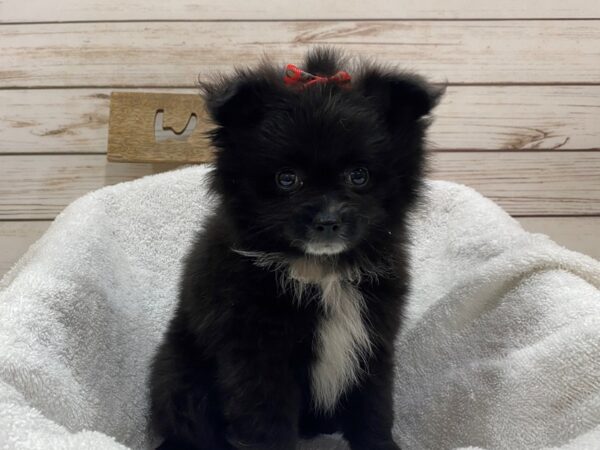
(520, 121)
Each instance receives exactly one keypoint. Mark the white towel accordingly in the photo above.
(501, 347)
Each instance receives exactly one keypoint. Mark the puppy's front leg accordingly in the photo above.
(369, 418)
(260, 397)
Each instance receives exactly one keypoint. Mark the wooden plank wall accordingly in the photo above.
(520, 121)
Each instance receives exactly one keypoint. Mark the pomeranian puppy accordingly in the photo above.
(292, 292)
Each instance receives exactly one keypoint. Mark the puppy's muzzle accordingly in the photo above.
(327, 224)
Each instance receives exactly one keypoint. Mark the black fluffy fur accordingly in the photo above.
(233, 371)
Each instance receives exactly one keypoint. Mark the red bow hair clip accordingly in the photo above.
(293, 76)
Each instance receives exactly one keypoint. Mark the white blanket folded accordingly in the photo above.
(501, 345)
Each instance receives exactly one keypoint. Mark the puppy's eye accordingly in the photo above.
(287, 180)
(357, 177)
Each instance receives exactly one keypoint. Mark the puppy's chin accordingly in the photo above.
(324, 248)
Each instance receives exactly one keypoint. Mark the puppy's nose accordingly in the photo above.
(327, 223)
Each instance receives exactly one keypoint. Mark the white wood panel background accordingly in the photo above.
(520, 121)
(468, 118)
(119, 10)
(15, 239)
(175, 53)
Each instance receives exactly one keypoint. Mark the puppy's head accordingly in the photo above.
(325, 169)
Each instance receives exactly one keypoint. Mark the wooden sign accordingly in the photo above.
(148, 127)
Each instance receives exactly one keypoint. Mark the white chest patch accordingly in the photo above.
(342, 340)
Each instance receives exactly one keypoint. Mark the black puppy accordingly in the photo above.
(292, 293)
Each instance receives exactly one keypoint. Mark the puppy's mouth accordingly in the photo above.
(325, 247)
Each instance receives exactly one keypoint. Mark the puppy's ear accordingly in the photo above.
(400, 98)
(236, 103)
